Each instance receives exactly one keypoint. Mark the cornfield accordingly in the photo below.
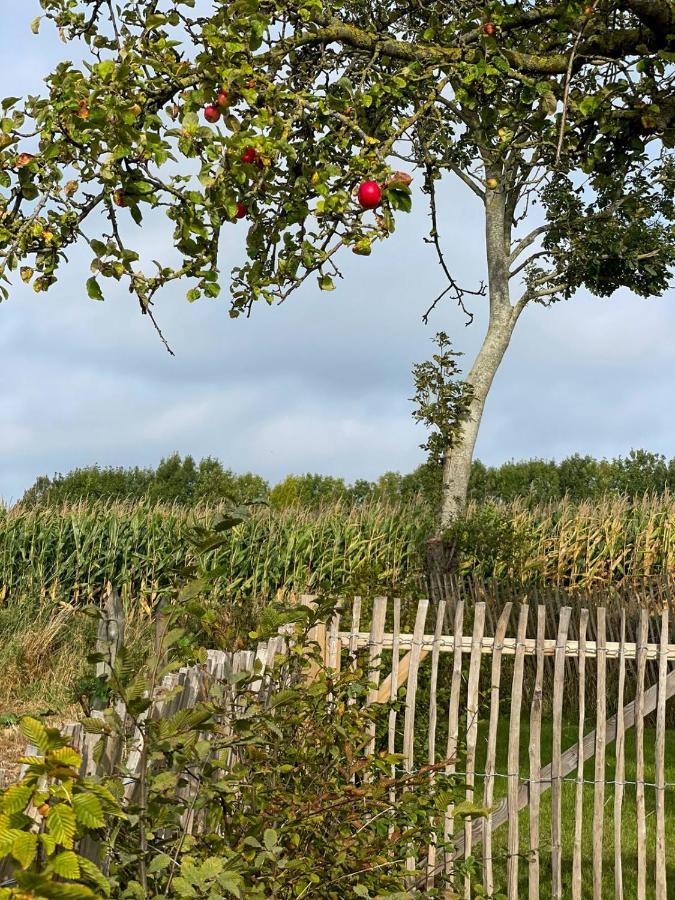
(68, 554)
(585, 545)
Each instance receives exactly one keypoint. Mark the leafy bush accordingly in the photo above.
(261, 788)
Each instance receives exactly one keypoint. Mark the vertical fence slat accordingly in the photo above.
(433, 716)
(334, 651)
(375, 659)
(353, 637)
(472, 720)
(579, 794)
(620, 769)
(556, 758)
(411, 697)
(453, 727)
(393, 714)
(640, 758)
(513, 766)
(490, 759)
(660, 762)
(535, 758)
(600, 751)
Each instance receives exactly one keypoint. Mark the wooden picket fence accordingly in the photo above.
(474, 693)
(453, 684)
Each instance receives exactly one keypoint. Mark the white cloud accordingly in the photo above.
(320, 384)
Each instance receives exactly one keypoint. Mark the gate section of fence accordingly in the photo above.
(571, 775)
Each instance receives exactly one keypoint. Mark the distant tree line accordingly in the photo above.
(183, 481)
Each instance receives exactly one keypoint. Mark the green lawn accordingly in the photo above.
(629, 840)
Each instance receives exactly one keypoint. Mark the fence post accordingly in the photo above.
(110, 634)
(640, 758)
(490, 760)
(579, 799)
(513, 765)
(620, 770)
(660, 761)
(472, 722)
(600, 743)
(535, 758)
(453, 730)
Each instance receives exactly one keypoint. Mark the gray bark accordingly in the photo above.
(502, 320)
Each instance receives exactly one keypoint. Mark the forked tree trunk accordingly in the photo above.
(503, 317)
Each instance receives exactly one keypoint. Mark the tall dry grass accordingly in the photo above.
(585, 545)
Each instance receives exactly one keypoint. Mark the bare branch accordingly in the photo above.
(527, 241)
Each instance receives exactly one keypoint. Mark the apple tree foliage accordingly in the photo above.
(562, 104)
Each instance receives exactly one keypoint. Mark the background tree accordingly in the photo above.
(275, 112)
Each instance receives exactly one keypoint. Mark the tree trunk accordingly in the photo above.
(503, 317)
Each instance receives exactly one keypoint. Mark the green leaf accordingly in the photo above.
(326, 283)
(183, 888)
(88, 810)
(94, 289)
(91, 872)
(231, 882)
(62, 825)
(16, 798)
(35, 24)
(270, 838)
(67, 757)
(158, 863)
(66, 865)
(24, 848)
(35, 732)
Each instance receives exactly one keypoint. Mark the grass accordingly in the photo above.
(629, 832)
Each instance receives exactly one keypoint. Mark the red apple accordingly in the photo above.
(241, 211)
(211, 113)
(223, 98)
(249, 156)
(490, 29)
(119, 198)
(370, 194)
(588, 10)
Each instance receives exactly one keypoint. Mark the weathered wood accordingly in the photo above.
(535, 760)
(600, 739)
(353, 636)
(490, 759)
(447, 645)
(640, 761)
(433, 716)
(110, 634)
(472, 722)
(411, 691)
(353, 641)
(556, 761)
(570, 757)
(579, 795)
(620, 770)
(333, 651)
(513, 764)
(393, 712)
(411, 699)
(403, 668)
(660, 765)
(453, 730)
(374, 660)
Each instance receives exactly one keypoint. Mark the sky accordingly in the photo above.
(322, 383)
